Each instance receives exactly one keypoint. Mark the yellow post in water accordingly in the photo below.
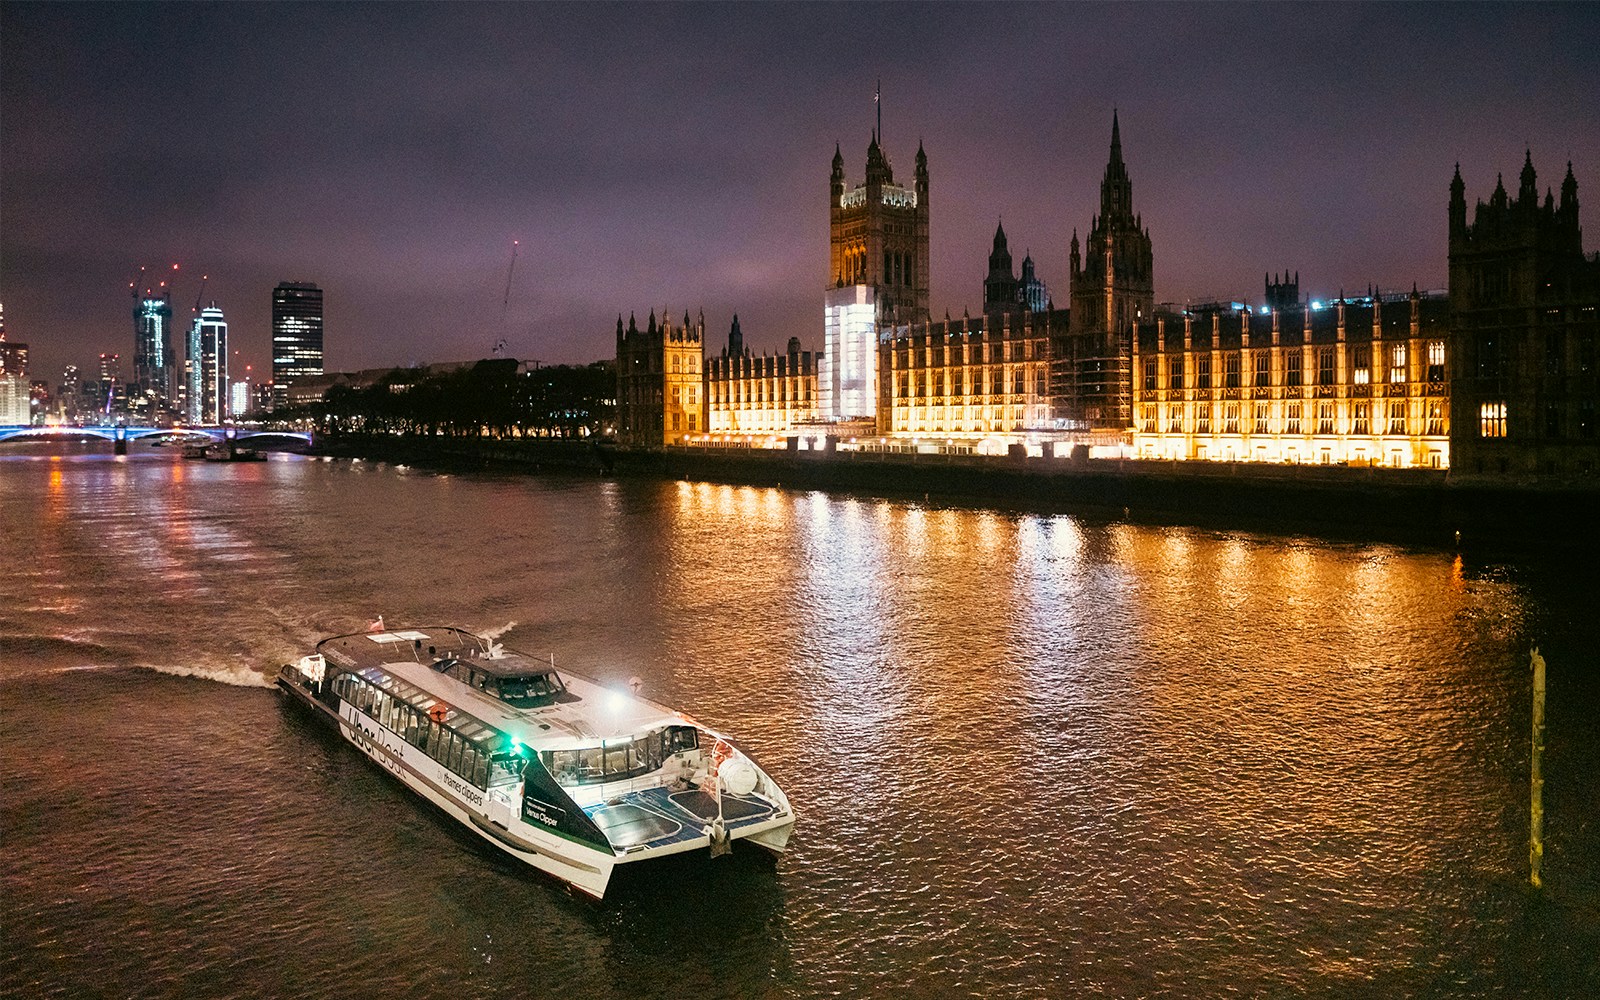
(1536, 817)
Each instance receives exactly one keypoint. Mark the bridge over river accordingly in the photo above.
(124, 433)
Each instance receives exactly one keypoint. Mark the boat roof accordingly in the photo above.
(408, 662)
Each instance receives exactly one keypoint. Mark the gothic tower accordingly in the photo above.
(1113, 282)
(1000, 287)
(1110, 286)
(879, 235)
(1524, 302)
(877, 277)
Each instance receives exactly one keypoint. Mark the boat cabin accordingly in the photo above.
(512, 680)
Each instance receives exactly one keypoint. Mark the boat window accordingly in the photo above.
(680, 738)
(533, 690)
(618, 760)
(463, 744)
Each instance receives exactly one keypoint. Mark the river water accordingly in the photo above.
(1032, 755)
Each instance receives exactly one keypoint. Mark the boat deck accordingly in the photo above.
(657, 817)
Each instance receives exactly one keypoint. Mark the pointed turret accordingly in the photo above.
(1116, 190)
(1000, 287)
(1115, 284)
(1031, 292)
(1569, 194)
(1528, 193)
(735, 339)
(878, 170)
(1458, 205)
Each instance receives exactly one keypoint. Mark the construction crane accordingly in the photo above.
(505, 303)
(500, 344)
(200, 294)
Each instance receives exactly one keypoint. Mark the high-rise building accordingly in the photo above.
(14, 391)
(296, 336)
(154, 367)
(878, 274)
(1524, 321)
(207, 367)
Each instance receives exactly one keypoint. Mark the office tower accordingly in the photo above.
(14, 391)
(296, 336)
(207, 369)
(13, 355)
(153, 363)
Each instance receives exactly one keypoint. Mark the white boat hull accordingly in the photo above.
(494, 815)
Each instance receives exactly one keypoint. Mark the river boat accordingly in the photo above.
(555, 769)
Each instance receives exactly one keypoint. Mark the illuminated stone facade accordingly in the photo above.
(1525, 318)
(970, 378)
(660, 382)
(760, 394)
(877, 274)
(1357, 382)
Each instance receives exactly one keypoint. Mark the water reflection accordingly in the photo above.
(1031, 755)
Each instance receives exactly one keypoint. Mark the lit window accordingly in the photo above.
(1397, 417)
(1492, 420)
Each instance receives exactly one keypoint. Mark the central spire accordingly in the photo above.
(877, 103)
(1116, 138)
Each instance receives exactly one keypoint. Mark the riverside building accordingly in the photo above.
(296, 336)
(207, 368)
(1498, 376)
(878, 276)
(762, 395)
(153, 364)
(660, 382)
(1524, 319)
(1360, 381)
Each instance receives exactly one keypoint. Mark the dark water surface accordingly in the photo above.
(1031, 756)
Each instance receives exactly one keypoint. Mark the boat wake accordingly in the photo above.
(233, 676)
(491, 634)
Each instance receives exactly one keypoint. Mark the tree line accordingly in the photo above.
(491, 398)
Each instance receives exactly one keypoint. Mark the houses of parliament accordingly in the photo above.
(1496, 377)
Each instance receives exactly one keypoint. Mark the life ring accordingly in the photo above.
(439, 711)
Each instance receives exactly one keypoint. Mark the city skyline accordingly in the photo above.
(391, 155)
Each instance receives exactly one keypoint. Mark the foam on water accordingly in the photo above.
(491, 634)
(233, 676)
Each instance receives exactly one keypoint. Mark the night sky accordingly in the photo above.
(677, 157)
